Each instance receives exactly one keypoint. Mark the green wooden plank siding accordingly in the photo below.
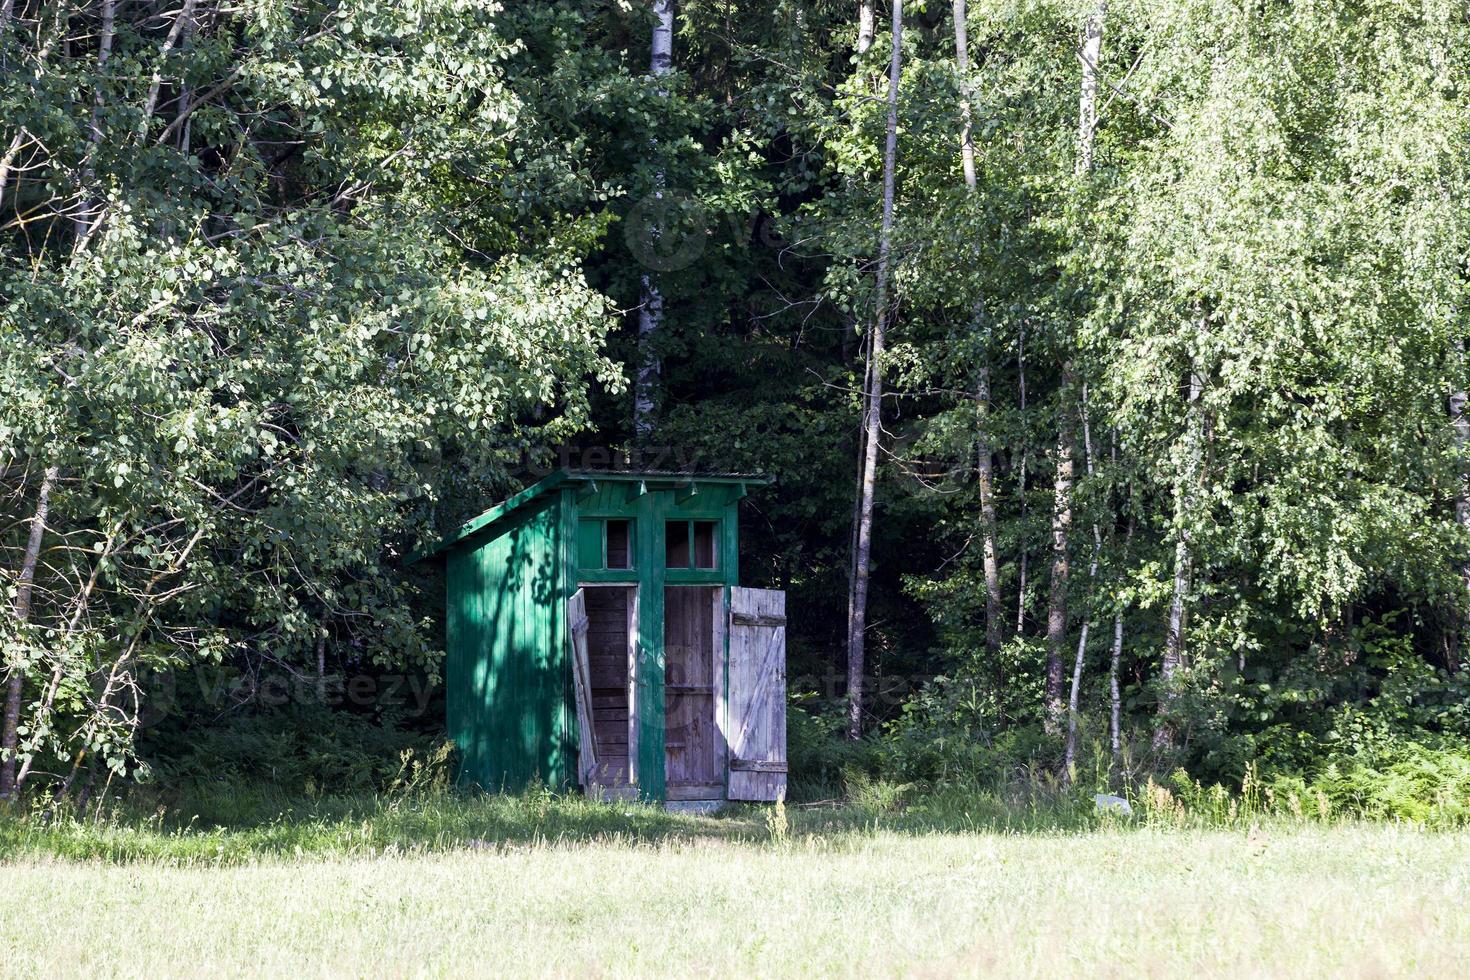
(507, 671)
(589, 544)
(648, 694)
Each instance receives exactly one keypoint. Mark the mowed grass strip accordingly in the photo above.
(1349, 900)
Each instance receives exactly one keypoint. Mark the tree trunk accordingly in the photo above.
(89, 216)
(1069, 759)
(1089, 53)
(1070, 756)
(1061, 526)
(1021, 478)
(1183, 515)
(182, 23)
(1459, 401)
(857, 492)
(24, 585)
(8, 159)
(651, 301)
(1115, 697)
(867, 26)
(984, 462)
(873, 403)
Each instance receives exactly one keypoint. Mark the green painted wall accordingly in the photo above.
(507, 670)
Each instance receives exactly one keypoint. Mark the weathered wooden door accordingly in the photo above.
(582, 677)
(693, 670)
(756, 723)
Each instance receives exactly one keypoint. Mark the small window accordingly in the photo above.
(704, 543)
(617, 545)
(676, 544)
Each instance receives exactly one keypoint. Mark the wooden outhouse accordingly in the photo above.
(597, 636)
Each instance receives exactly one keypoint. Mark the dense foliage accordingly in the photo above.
(288, 286)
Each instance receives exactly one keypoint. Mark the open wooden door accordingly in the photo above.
(756, 723)
(582, 677)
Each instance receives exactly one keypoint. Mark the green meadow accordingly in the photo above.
(543, 885)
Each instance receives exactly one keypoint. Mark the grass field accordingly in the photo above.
(630, 891)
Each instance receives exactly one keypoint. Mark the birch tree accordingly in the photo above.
(651, 301)
(1185, 494)
(1069, 756)
(984, 456)
(17, 654)
(1089, 53)
(1459, 402)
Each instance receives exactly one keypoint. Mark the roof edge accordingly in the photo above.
(517, 500)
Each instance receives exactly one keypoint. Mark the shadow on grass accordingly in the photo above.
(230, 826)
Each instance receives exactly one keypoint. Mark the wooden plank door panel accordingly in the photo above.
(756, 715)
(689, 694)
(582, 677)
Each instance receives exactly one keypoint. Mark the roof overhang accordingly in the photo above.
(646, 479)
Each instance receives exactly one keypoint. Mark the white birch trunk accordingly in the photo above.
(1460, 421)
(24, 585)
(1089, 53)
(651, 301)
(1070, 758)
(182, 23)
(984, 463)
(1021, 479)
(1184, 505)
(867, 26)
(89, 216)
(1061, 527)
(1115, 697)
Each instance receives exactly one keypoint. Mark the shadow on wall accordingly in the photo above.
(519, 676)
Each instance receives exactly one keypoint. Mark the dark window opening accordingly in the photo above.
(676, 544)
(617, 544)
(704, 543)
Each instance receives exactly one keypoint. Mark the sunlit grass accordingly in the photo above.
(965, 883)
(653, 894)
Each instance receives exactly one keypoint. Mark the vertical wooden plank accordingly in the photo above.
(757, 694)
(463, 666)
(582, 680)
(558, 671)
(566, 586)
(718, 654)
(649, 682)
(730, 543)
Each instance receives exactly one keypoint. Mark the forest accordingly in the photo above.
(1109, 358)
